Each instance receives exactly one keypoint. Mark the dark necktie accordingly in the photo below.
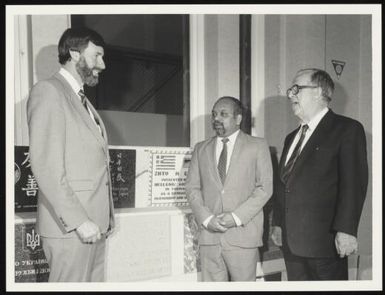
(83, 98)
(290, 164)
(222, 162)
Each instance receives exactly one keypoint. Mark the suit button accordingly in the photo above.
(287, 191)
(223, 191)
(107, 183)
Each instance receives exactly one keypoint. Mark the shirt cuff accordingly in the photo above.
(207, 220)
(238, 222)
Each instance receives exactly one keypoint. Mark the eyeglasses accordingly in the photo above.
(296, 88)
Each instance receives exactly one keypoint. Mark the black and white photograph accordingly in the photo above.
(232, 147)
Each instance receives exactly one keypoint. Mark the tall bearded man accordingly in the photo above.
(69, 157)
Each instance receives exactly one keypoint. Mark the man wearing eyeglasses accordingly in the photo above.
(322, 186)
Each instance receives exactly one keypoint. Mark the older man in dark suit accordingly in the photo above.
(322, 186)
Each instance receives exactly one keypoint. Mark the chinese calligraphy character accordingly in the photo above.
(31, 186)
(27, 159)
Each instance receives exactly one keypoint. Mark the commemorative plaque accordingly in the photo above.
(168, 177)
(161, 176)
(30, 262)
(26, 188)
(122, 164)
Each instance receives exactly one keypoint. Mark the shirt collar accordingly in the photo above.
(231, 138)
(313, 123)
(71, 80)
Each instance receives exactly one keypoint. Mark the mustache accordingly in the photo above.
(97, 69)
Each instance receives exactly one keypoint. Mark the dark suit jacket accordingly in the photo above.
(247, 188)
(326, 189)
(70, 160)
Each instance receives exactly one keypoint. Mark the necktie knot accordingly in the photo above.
(84, 103)
(225, 140)
(82, 96)
(305, 128)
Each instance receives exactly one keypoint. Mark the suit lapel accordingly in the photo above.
(211, 160)
(315, 139)
(211, 156)
(99, 119)
(286, 148)
(82, 112)
(239, 141)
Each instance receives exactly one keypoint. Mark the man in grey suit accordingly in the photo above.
(228, 183)
(69, 158)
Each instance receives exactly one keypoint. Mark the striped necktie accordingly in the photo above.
(83, 98)
(297, 150)
(222, 162)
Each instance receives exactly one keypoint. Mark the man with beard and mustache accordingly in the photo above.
(69, 157)
(228, 183)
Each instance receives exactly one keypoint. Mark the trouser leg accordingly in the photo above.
(70, 260)
(212, 264)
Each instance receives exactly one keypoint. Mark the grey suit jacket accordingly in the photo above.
(70, 160)
(247, 188)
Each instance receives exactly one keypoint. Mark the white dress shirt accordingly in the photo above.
(312, 126)
(218, 149)
(76, 88)
(230, 147)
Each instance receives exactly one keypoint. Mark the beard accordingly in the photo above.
(219, 128)
(85, 72)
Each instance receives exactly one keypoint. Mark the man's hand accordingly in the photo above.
(345, 244)
(226, 220)
(215, 226)
(276, 235)
(88, 232)
(109, 232)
